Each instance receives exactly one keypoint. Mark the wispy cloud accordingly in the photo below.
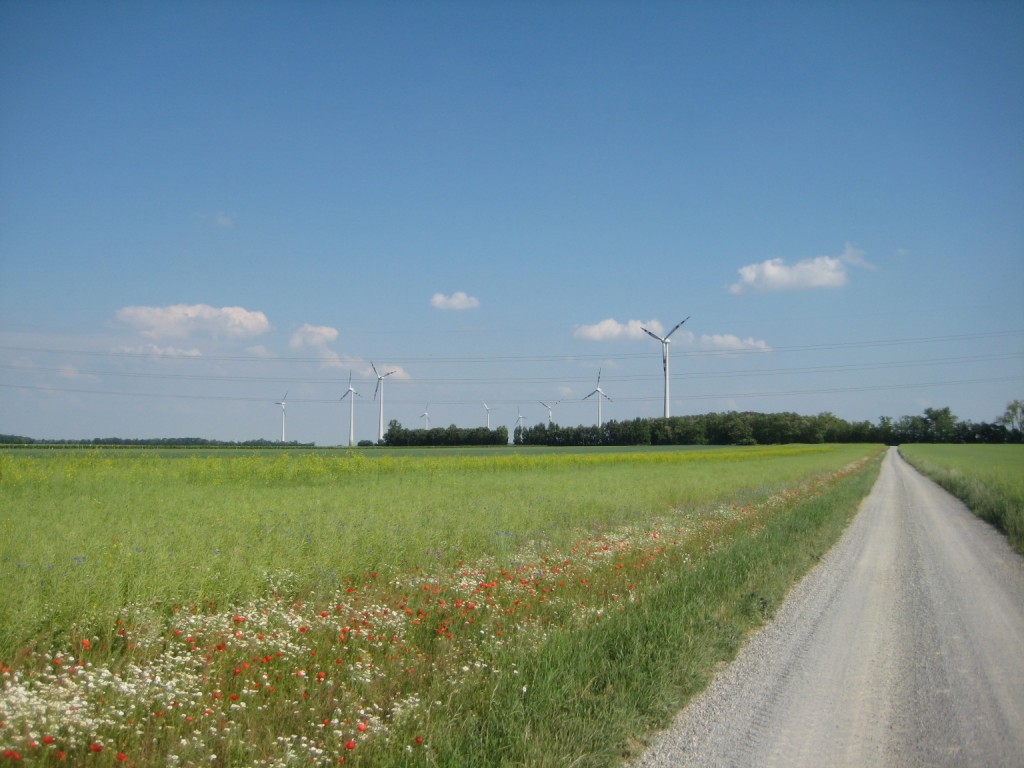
(611, 329)
(727, 342)
(224, 220)
(68, 371)
(364, 369)
(158, 351)
(317, 337)
(313, 336)
(819, 272)
(184, 320)
(218, 220)
(458, 300)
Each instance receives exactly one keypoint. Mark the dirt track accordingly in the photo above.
(904, 647)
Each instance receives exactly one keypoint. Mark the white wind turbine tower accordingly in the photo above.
(664, 354)
(282, 402)
(600, 393)
(380, 388)
(426, 417)
(519, 420)
(549, 407)
(488, 409)
(351, 394)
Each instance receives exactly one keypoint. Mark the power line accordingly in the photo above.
(839, 368)
(406, 360)
(716, 395)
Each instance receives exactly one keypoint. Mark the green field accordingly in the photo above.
(987, 478)
(389, 607)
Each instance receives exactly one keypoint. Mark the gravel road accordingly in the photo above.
(904, 647)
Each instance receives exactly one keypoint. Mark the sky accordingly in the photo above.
(208, 207)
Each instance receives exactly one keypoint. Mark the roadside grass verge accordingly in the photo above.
(275, 611)
(595, 697)
(989, 479)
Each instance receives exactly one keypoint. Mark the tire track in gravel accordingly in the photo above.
(903, 647)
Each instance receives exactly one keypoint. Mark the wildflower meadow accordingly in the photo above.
(382, 608)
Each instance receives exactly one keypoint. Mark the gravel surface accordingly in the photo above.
(903, 647)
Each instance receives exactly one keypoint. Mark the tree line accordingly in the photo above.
(936, 425)
(398, 436)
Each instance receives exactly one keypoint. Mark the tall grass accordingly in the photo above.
(987, 478)
(451, 610)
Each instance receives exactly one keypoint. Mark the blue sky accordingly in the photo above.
(207, 205)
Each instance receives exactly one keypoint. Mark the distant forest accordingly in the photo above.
(935, 425)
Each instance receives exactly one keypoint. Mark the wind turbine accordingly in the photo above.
(519, 420)
(426, 417)
(600, 393)
(380, 388)
(488, 409)
(282, 402)
(351, 394)
(664, 353)
(549, 407)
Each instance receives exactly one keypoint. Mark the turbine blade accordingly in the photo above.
(653, 335)
(374, 369)
(677, 327)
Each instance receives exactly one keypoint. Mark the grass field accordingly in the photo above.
(389, 608)
(987, 478)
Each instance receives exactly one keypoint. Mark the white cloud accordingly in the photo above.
(224, 220)
(729, 342)
(318, 337)
(855, 256)
(158, 351)
(313, 336)
(611, 329)
(183, 320)
(819, 272)
(364, 368)
(68, 371)
(458, 300)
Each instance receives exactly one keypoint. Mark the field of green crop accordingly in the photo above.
(388, 608)
(987, 478)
